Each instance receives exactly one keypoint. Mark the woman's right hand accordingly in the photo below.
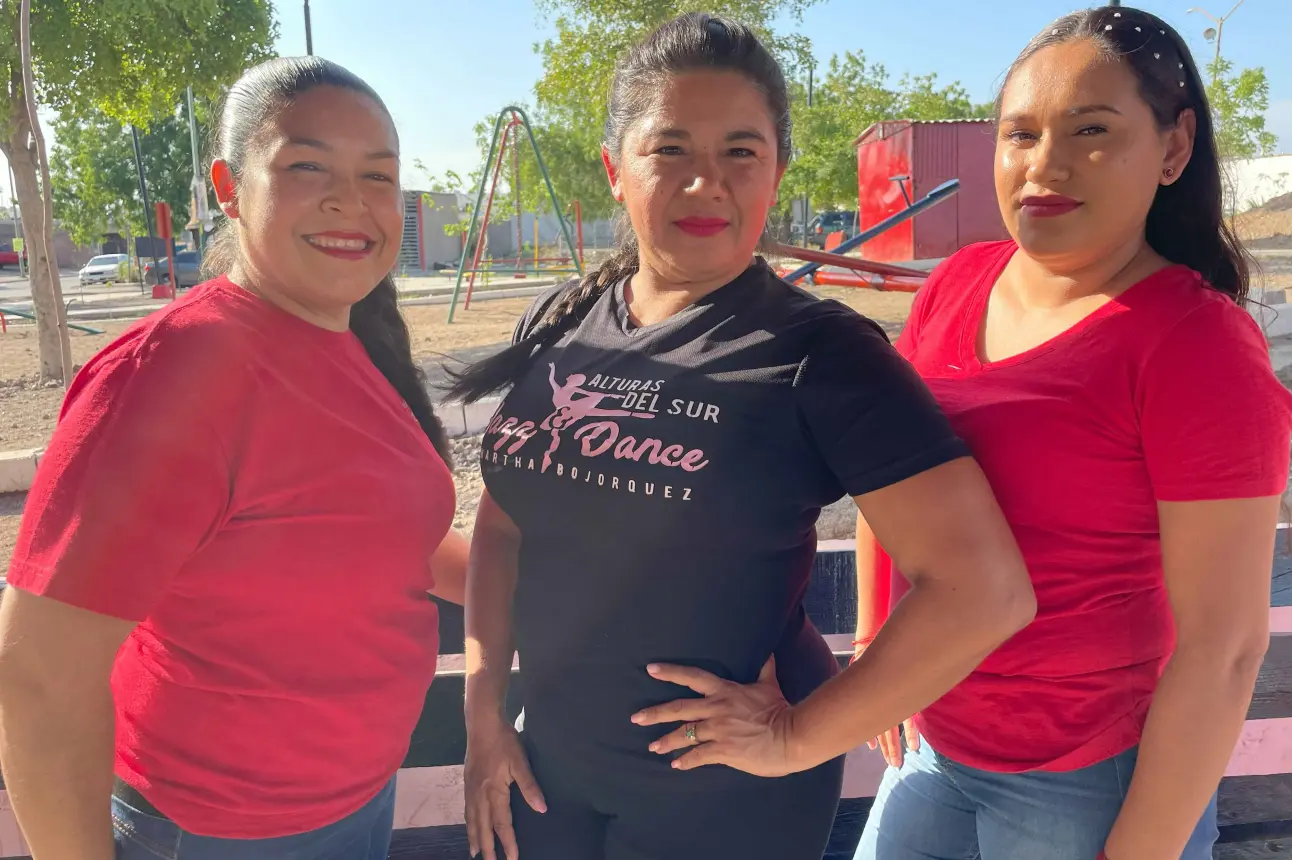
(495, 759)
(890, 742)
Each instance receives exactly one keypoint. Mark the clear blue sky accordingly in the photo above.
(442, 65)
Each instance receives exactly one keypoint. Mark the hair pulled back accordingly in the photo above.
(375, 319)
(692, 42)
(1186, 223)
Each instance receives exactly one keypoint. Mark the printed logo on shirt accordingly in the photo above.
(597, 407)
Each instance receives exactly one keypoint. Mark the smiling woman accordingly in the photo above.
(227, 550)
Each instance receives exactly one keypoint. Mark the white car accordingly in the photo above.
(103, 269)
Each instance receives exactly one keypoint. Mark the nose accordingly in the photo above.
(1048, 161)
(707, 178)
(343, 195)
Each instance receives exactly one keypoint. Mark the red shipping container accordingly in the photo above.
(928, 154)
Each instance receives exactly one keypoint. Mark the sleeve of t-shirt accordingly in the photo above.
(134, 480)
(869, 413)
(921, 307)
(1215, 421)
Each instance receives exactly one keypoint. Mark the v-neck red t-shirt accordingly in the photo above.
(1163, 394)
(252, 491)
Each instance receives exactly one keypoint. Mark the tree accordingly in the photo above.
(95, 180)
(129, 59)
(853, 95)
(1238, 105)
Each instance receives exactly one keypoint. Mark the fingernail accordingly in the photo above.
(653, 668)
(677, 763)
(654, 747)
(637, 718)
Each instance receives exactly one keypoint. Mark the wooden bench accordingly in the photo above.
(1255, 796)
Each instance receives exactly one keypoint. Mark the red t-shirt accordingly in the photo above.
(252, 491)
(1163, 394)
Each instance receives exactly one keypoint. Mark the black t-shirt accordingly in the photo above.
(666, 481)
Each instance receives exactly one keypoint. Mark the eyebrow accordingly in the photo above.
(1080, 110)
(739, 134)
(314, 143)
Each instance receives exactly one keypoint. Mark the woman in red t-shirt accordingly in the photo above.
(237, 522)
(1105, 372)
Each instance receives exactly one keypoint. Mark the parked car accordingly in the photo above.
(9, 258)
(831, 222)
(188, 265)
(103, 269)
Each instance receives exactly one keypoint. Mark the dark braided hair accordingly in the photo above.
(375, 319)
(1186, 223)
(691, 42)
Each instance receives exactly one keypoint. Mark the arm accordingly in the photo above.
(495, 759)
(1216, 558)
(57, 723)
(872, 595)
(490, 585)
(969, 593)
(449, 567)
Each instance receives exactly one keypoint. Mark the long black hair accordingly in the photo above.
(688, 43)
(1186, 223)
(375, 319)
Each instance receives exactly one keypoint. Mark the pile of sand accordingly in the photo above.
(1267, 226)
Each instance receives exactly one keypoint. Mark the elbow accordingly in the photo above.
(1233, 662)
(1008, 604)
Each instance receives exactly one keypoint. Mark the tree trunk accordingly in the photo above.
(37, 226)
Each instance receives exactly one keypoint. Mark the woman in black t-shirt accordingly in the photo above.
(676, 421)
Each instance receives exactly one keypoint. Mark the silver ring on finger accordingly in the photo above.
(689, 731)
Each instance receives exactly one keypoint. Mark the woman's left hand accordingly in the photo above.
(745, 726)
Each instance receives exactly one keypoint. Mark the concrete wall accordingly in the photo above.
(1253, 181)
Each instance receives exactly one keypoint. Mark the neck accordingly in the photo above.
(654, 296)
(331, 319)
(1049, 284)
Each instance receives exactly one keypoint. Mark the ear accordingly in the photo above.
(776, 189)
(612, 174)
(1179, 146)
(225, 191)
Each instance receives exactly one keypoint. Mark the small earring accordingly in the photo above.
(1168, 172)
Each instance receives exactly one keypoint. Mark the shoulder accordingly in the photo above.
(539, 306)
(189, 351)
(824, 322)
(1180, 311)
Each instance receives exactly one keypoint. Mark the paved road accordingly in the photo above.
(16, 291)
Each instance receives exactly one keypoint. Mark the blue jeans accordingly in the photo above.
(364, 835)
(933, 808)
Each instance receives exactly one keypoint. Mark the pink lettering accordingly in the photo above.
(689, 461)
(669, 456)
(600, 437)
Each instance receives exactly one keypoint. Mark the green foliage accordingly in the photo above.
(132, 59)
(1238, 105)
(578, 64)
(93, 174)
(853, 95)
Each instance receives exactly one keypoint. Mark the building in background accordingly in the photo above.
(67, 253)
(901, 161)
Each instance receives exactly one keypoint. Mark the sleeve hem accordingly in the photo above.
(32, 578)
(1224, 493)
(952, 449)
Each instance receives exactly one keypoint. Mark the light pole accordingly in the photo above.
(1213, 34)
(309, 37)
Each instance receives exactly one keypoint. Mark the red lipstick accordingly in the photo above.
(702, 226)
(343, 244)
(1048, 205)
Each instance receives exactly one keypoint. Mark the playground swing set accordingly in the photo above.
(506, 135)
